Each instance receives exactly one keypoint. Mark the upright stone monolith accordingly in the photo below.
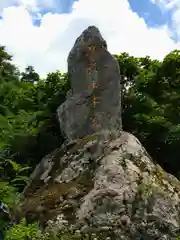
(94, 102)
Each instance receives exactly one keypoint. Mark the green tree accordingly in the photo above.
(30, 75)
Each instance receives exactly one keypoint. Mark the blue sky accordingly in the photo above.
(64, 6)
(42, 32)
(151, 13)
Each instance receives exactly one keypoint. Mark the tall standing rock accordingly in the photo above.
(94, 102)
(108, 185)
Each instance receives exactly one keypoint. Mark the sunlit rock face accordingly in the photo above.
(94, 101)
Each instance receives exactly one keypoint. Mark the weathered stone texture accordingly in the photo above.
(94, 102)
(108, 186)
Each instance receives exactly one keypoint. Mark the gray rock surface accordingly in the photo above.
(102, 180)
(108, 183)
(94, 102)
(41, 172)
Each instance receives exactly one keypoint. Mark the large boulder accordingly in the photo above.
(107, 184)
(94, 101)
(102, 180)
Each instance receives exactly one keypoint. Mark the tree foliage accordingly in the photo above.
(28, 124)
(150, 102)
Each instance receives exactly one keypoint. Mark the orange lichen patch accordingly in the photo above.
(91, 49)
(93, 85)
(92, 66)
(94, 100)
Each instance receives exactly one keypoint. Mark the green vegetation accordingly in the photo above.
(29, 128)
(23, 231)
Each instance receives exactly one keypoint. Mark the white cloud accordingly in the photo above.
(46, 47)
(174, 7)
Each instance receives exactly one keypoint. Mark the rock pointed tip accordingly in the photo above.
(92, 29)
(91, 35)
